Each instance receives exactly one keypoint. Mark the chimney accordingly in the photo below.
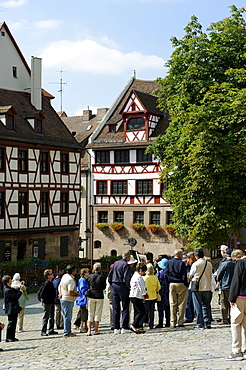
(101, 113)
(87, 115)
(36, 77)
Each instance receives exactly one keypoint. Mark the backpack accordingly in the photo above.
(40, 291)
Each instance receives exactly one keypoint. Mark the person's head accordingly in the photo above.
(198, 253)
(97, 267)
(71, 269)
(84, 272)
(60, 274)
(191, 257)
(237, 254)
(126, 256)
(48, 274)
(16, 276)
(223, 249)
(6, 280)
(229, 252)
(132, 261)
(162, 264)
(178, 253)
(150, 269)
(141, 268)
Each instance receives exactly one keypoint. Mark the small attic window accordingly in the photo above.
(112, 128)
(2, 33)
(10, 122)
(14, 69)
(39, 126)
(88, 127)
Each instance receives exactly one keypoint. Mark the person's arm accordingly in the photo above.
(192, 271)
(71, 292)
(235, 284)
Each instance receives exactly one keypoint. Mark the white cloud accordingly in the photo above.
(16, 26)
(13, 3)
(90, 56)
(48, 23)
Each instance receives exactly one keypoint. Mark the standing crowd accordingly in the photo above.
(180, 288)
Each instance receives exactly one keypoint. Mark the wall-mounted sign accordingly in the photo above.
(35, 252)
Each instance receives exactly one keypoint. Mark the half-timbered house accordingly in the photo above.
(39, 164)
(125, 180)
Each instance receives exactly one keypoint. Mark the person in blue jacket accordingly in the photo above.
(82, 300)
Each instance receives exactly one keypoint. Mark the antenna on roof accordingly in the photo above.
(60, 83)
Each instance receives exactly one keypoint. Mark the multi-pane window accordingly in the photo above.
(39, 126)
(1, 203)
(169, 217)
(155, 218)
(64, 203)
(164, 187)
(2, 161)
(121, 156)
(119, 216)
(142, 157)
(103, 216)
(102, 156)
(138, 217)
(119, 187)
(135, 124)
(64, 162)
(22, 204)
(144, 187)
(44, 162)
(10, 124)
(101, 187)
(23, 160)
(44, 203)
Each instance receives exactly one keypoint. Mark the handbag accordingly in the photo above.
(158, 297)
(195, 283)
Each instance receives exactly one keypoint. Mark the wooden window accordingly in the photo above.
(102, 156)
(23, 204)
(144, 187)
(101, 187)
(44, 203)
(2, 159)
(119, 187)
(23, 164)
(169, 217)
(113, 253)
(64, 163)
(121, 156)
(97, 244)
(103, 216)
(136, 123)
(112, 128)
(39, 126)
(14, 69)
(44, 162)
(138, 217)
(119, 216)
(63, 246)
(64, 203)
(155, 218)
(10, 122)
(2, 203)
(142, 157)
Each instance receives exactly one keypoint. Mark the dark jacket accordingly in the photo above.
(11, 296)
(56, 283)
(238, 284)
(225, 273)
(120, 273)
(96, 284)
(48, 293)
(175, 271)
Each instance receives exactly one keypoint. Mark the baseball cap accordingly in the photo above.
(223, 247)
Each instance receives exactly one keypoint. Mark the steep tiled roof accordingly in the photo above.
(82, 128)
(55, 132)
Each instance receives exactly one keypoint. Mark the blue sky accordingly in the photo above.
(98, 43)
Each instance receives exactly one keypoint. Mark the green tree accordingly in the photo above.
(203, 151)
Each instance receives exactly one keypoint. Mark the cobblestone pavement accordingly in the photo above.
(180, 348)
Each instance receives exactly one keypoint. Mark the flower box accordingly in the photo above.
(154, 228)
(117, 226)
(170, 228)
(102, 225)
(137, 226)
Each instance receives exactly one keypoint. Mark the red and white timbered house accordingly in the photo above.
(39, 165)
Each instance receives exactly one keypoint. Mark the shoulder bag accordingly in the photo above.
(195, 283)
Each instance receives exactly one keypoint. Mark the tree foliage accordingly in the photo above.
(203, 153)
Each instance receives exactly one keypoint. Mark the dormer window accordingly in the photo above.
(39, 126)
(112, 128)
(136, 123)
(10, 122)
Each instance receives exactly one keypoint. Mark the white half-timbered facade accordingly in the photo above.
(40, 180)
(124, 179)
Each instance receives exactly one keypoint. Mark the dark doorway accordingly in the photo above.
(21, 250)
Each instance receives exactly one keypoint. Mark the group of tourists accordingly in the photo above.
(180, 288)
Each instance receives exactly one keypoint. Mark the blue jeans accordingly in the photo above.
(202, 307)
(189, 312)
(67, 312)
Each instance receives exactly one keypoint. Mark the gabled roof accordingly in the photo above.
(55, 132)
(148, 101)
(3, 25)
(82, 128)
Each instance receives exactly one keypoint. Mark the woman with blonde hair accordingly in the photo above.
(152, 287)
